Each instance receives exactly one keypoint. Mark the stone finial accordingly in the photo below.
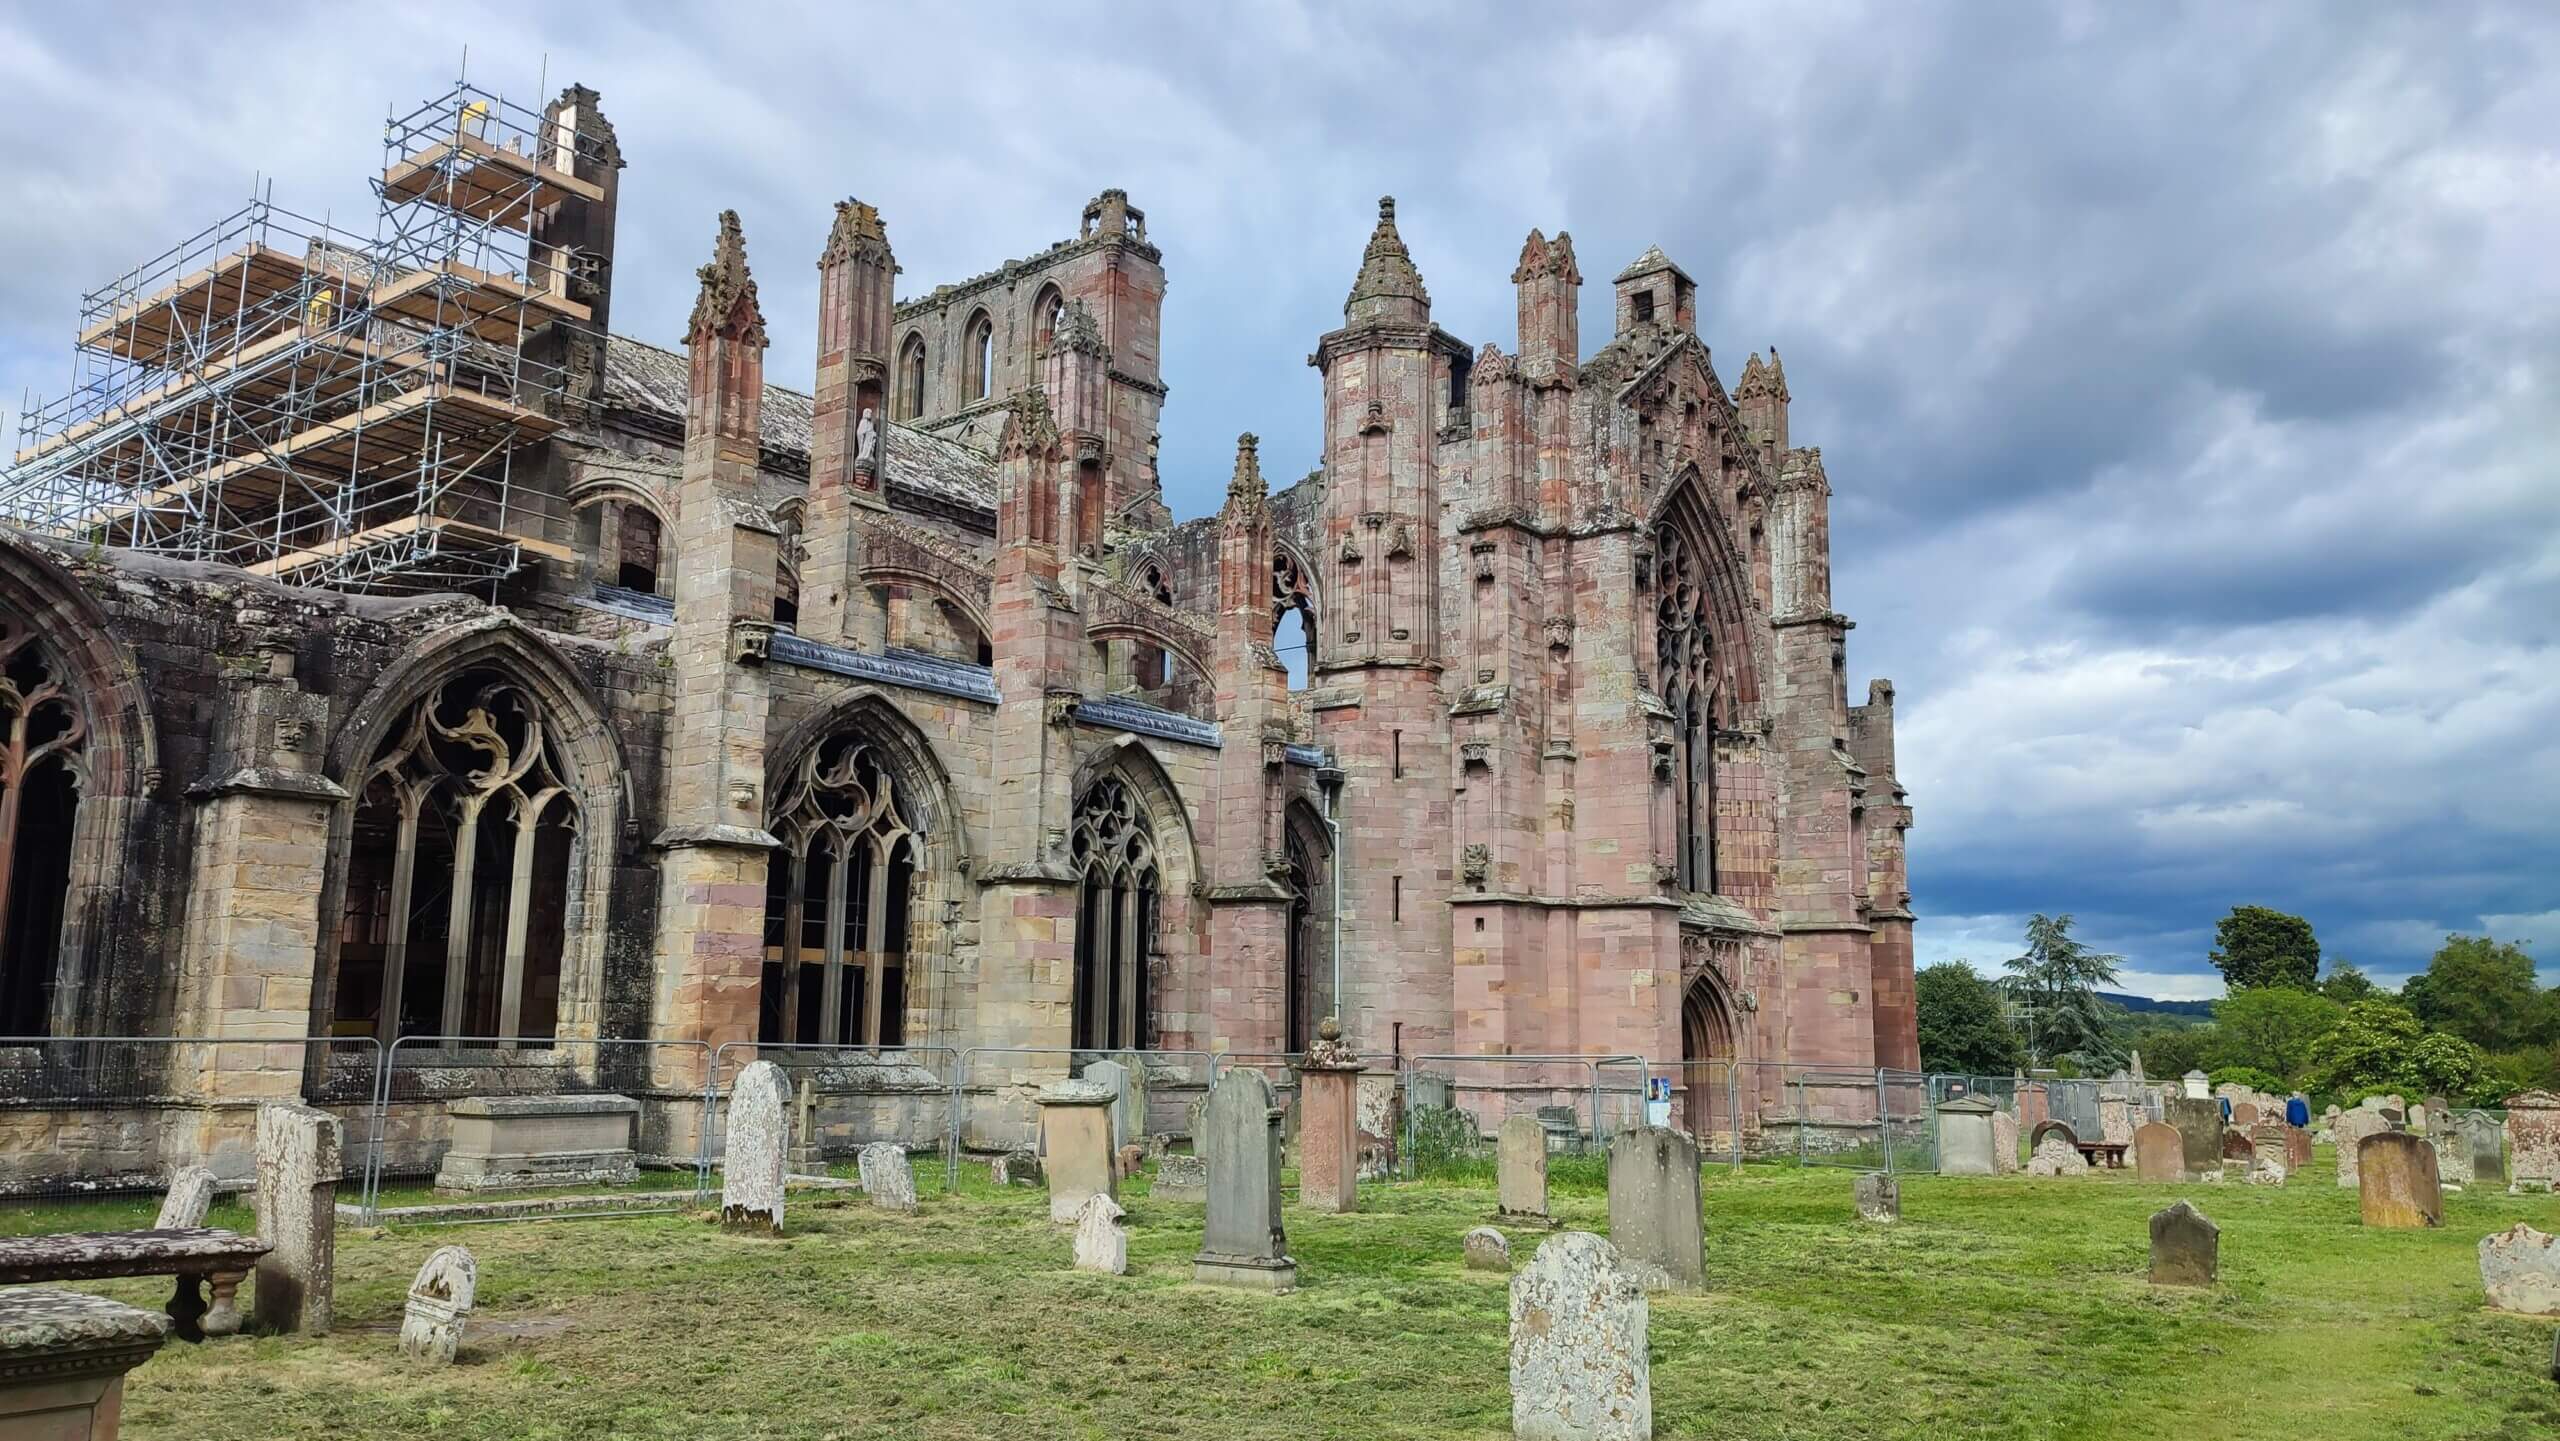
(857, 228)
(1246, 487)
(1492, 367)
(1540, 256)
(727, 307)
(1079, 331)
(1328, 1050)
(1387, 272)
(1029, 429)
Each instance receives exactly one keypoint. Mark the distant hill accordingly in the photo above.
(2192, 1010)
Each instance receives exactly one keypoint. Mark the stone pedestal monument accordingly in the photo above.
(63, 1359)
(1075, 1137)
(1329, 1123)
(298, 1168)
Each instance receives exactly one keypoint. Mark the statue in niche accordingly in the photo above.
(866, 442)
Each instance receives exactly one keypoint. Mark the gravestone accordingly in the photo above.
(2115, 1120)
(1879, 1198)
(298, 1168)
(1966, 1143)
(1329, 1124)
(2244, 1114)
(2348, 1133)
(2297, 1148)
(2035, 1137)
(2533, 1141)
(887, 1178)
(2236, 1146)
(2488, 1146)
(2269, 1163)
(2453, 1152)
(807, 1156)
(1075, 1135)
(1579, 1364)
(1241, 1242)
(2199, 1123)
(2159, 1152)
(1015, 1168)
(1129, 1162)
(1181, 1178)
(2396, 1174)
(439, 1302)
(2186, 1249)
(2004, 1143)
(752, 1163)
(1102, 1241)
(1521, 1167)
(2520, 1269)
(1115, 1077)
(1487, 1249)
(2057, 1157)
(1429, 1091)
(190, 1198)
(512, 1143)
(2197, 1085)
(1656, 1215)
(1129, 1115)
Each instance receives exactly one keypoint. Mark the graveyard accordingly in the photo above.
(2007, 1306)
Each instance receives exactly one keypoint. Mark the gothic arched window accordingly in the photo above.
(459, 870)
(1045, 312)
(980, 381)
(911, 378)
(1115, 918)
(44, 730)
(836, 902)
(1293, 617)
(1684, 670)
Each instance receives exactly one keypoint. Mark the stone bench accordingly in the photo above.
(195, 1254)
(63, 1357)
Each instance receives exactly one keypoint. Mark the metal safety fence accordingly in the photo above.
(1455, 1105)
(845, 1098)
(995, 1097)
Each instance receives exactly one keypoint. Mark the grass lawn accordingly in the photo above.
(2008, 1308)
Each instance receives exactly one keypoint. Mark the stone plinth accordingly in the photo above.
(2186, 1249)
(1520, 1169)
(1242, 1242)
(63, 1359)
(753, 1157)
(514, 1143)
(2396, 1176)
(1967, 1143)
(1075, 1141)
(2533, 1141)
(1657, 1218)
(2520, 1270)
(1329, 1138)
(298, 1168)
(1580, 1369)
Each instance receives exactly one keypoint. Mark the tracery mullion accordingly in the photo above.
(839, 882)
(457, 943)
(794, 915)
(528, 820)
(875, 940)
(411, 798)
(1126, 938)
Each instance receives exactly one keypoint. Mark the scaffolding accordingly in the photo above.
(328, 409)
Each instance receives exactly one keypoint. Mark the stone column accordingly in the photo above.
(298, 1170)
(63, 1358)
(1328, 1124)
(1075, 1137)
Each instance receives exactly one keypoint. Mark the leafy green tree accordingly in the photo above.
(2346, 985)
(1963, 1025)
(2272, 1029)
(2172, 1051)
(2380, 1046)
(2056, 984)
(2254, 946)
(2485, 992)
(2249, 1076)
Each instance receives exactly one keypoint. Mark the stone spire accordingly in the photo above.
(1541, 256)
(727, 305)
(1079, 331)
(1245, 489)
(1029, 430)
(1388, 287)
(857, 227)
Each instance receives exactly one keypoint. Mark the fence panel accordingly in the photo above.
(423, 1076)
(846, 1098)
(1455, 1105)
(108, 1119)
(994, 1102)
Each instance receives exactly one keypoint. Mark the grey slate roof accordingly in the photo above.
(641, 377)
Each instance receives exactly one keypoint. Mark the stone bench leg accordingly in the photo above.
(192, 1320)
(224, 1317)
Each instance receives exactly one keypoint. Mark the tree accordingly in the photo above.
(2272, 1029)
(2249, 1076)
(2170, 1051)
(2056, 983)
(2483, 991)
(2254, 946)
(1963, 1026)
(2346, 985)
(2379, 1046)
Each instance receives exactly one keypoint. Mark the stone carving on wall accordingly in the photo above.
(1475, 865)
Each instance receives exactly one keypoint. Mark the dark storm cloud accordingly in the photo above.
(2188, 376)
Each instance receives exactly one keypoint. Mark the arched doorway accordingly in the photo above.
(1707, 1056)
(1307, 997)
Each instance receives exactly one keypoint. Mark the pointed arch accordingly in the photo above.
(547, 763)
(1710, 1046)
(1046, 307)
(1130, 756)
(1307, 979)
(911, 378)
(1130, 845)
(978, 358)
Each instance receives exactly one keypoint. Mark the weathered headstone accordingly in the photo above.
(887, 1178)
(2533, 1141)
(2348, 1132)
(1966, 1143)
(2186, 1249)
(1075, 1135)
(1102, 1240)
(1129, 1115)
(1580, 1369)
(1180, 1178)
(190, 1198)
(2199, 1123)
(2520, 1269)
(2115, 1120)
(1329, 1123)
(753, 1162)
(298, 1168)
(2488, 1141)
(2159, 1152)
(1429, 1091)
(1241, 1241)
(1130, 1161)
(1115, 1076)
(2269, 1163)
(2244, 1114)
(2056, 1156)
(1879, 1198)
(2396, 1174)
(2236, 1146)
(1487, 1249)
(439, 1302)
(1521, 1167)
(1657, 1216)
(2297, 1148)
(2004, 1143)
(2453, 1151)
(2052, 1127)
(1015, 1168)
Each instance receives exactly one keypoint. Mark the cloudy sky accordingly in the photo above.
(2189, 377)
